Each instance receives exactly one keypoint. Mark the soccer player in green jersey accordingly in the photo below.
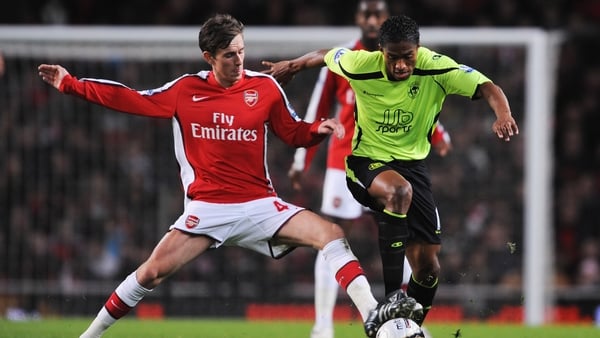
(400, 90)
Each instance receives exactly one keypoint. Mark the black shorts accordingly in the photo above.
(423, 218)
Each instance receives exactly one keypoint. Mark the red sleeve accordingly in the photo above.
(325, 95)
(286, 124)
(295, 133)
(154, 103)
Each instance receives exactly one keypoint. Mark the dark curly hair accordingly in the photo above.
(399, 28)
(218, 31)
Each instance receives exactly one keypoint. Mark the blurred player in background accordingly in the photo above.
(2, 64)
(400, 90)
(220, 121)
(332, 95)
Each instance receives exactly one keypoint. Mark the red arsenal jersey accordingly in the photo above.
(332, 94)
(220, 134)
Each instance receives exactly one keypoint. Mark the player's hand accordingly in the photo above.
(52, 74)
(295, 177)
(281, 71)
(332, 126)
(505, 127)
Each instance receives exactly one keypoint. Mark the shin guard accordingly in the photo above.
(393, 234)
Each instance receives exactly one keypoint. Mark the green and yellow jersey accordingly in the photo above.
(395, 119)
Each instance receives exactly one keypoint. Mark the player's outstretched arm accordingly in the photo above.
(326, 126)
(284, 71)
(332, 126)
(52, 74)
(505, 125)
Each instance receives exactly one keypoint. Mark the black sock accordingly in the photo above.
(393, 234)
(423, 293)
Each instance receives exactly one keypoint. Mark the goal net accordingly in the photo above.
(85, 193)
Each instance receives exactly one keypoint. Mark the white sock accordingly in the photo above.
(360, 293)
(100, 324)
(406, 274)
(129, 292)
(326, 289)
(338, 255)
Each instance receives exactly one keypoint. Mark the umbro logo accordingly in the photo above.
(199, 98)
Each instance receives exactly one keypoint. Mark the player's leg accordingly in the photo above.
(340, 207)
(423, 283)
(425, 244)
(384, 189)
(174, 250)
(406, 275)
(393, 235)
(395, 193)
(308, 229)
(326, 289)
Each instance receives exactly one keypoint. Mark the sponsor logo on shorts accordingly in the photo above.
(375, 165)
(192, 221)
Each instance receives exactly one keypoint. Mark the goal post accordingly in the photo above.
(273, 43)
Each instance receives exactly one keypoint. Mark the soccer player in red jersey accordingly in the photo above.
(220, 120)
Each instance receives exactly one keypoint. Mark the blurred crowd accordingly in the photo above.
(85, 193)
(541, 13)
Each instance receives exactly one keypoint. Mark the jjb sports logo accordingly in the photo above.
(395, 121)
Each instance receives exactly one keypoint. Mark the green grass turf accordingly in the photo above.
(209, 328)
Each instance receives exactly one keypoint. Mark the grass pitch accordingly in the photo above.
(212, 328)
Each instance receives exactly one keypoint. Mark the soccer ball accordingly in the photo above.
(400, 328)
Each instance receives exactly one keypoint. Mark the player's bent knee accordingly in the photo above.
(336, 231)
(328, 232)
(426, 274)
(403, 191)
(150, 275)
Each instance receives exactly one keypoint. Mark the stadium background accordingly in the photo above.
(85, 196)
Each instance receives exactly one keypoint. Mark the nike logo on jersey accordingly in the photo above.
(199, 98)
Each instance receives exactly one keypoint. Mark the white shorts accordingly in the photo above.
(250, 225)
(337, 199)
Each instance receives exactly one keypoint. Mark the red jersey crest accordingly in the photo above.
(251, 97)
